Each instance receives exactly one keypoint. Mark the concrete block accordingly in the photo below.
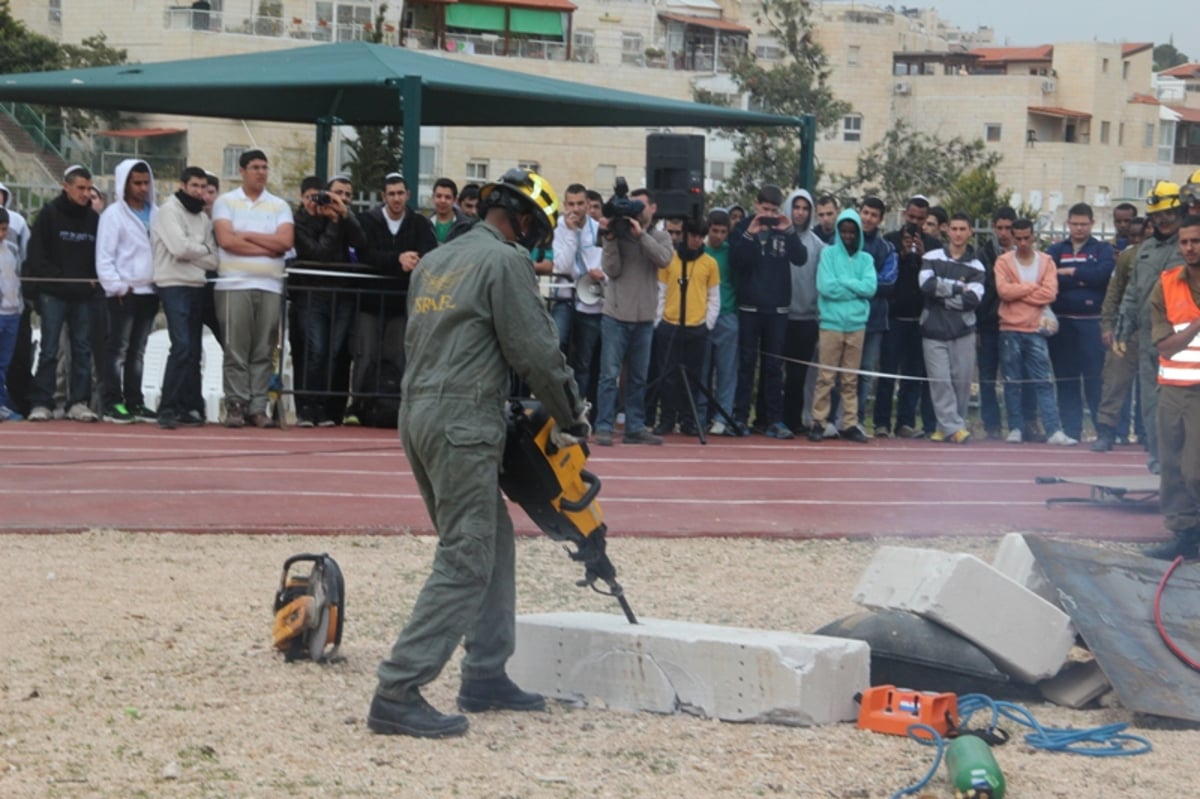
(663, 666)
(1076, 686)
(1015, 561)
(1025, 635)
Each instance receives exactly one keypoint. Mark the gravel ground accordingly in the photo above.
(139, 665)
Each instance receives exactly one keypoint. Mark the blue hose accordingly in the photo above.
(1110, 740)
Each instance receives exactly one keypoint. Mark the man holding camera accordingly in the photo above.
(326, 230)
(633, 254)
(762, 251)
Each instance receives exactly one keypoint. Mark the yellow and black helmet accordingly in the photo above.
(523, 191)
(1189, 194)
(1163, 197)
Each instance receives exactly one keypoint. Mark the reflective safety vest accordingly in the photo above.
(1183, 368)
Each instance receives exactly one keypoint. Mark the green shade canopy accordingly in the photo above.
(360, 83)
(475, 17)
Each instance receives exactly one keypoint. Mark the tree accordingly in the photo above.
(977, 194)
(22, 50)
(94, 51)
(798, 84)
(1166, 56)
(906, 162)
(376, 150)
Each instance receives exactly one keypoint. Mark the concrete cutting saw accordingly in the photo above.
(310, 609)
(552, 486)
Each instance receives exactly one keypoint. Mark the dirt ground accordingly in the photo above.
(140, 665)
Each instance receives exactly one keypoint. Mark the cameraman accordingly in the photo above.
(633, 254)
(321, 311)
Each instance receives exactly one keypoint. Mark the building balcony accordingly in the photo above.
(185, 18)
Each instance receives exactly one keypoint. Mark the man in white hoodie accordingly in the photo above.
(125, 267)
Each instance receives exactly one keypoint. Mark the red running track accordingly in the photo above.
(67, 476)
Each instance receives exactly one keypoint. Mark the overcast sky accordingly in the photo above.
(1029, 22)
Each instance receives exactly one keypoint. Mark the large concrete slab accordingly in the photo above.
(1015, 560)
(663, 666)
(1025, 635)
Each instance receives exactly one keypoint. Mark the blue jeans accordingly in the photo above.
(586, 328)
(181, 387)
(628, 344)
(77, 316)
(872, 347)
(988, 361)
(324, 319)
(903, 353)
(765, 332)
(1078, 357)
(1025, 362)
(721, 361)
(130, 321)
(9, 324)
(562, 312)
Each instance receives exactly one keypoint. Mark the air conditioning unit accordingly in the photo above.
(1048, 86)
(902, 87)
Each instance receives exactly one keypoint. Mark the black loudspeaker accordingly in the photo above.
(675, 174)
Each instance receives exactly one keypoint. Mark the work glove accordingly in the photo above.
(577, 432)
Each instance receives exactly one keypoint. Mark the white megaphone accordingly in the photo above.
(589, 290)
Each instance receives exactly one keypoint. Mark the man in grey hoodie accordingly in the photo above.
(800, 341)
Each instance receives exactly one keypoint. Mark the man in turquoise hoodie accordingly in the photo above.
(845, 285)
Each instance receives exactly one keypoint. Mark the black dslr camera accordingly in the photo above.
(620, 209)
(323, 198)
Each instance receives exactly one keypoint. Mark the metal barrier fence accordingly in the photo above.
(344, 331)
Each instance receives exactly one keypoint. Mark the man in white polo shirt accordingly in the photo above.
(254, 230)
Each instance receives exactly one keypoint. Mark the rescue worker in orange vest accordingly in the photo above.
(1175, 327)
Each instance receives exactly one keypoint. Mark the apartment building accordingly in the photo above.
(1073, 121)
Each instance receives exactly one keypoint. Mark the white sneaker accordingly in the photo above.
(717, 428)
(80, 412)
(1061, 439)
(40, 414)
(830, 431)
(1015, 437)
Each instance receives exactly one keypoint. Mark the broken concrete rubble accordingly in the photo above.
(1026, 636)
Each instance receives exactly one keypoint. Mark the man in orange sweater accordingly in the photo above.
(1026, 283)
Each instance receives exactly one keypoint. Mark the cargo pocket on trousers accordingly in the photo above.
(468, 550)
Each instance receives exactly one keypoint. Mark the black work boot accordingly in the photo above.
(1105, 436)
(496, 693)
(1185, 545)
(413, 716)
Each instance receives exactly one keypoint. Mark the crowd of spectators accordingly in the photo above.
(794, 317)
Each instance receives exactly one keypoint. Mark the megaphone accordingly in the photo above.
(589, 290)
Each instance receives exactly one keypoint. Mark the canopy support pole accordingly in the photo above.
(324, 136)
(410, 107)
(808, 141)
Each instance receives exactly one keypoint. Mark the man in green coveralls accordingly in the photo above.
(474, 313)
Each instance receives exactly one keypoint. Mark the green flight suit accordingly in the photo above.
(473, 312)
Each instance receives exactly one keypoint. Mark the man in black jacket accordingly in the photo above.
(322, 306)
(396, 240)
(902, 352)
(62, 253)
(762, 250)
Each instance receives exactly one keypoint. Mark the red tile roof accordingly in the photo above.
(1057, 111)
(1144, 99)
(1133, 48)
(712, 23)
(999, 55)
(1186, 114)
(1183, 71)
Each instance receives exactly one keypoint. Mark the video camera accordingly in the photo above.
(620, 209)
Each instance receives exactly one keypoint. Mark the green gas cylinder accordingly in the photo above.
(972, 769)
